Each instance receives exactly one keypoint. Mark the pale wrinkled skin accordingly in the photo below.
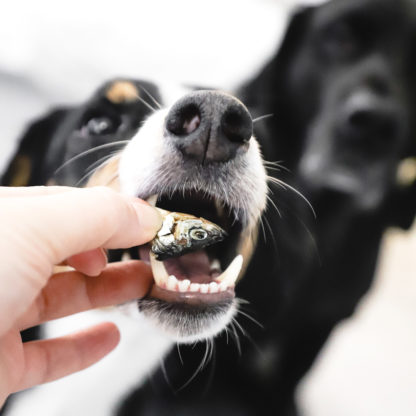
(182, 233)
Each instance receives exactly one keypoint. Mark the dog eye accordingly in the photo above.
(339, 41)
(98, 126)
(198, 234)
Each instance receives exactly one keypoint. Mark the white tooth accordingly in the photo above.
(204, 288)
(213, 287)
(184, 285)
(222, 287)
(230, 275)
(160, 273)
(172, 282)
(215, 265)
(152, 199)
(194, 287)
(126, 256)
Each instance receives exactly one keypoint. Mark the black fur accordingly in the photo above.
(300, 286)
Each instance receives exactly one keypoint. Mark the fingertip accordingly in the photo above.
(51, 359)
(91, 262)
(108, 336)
(150, 219)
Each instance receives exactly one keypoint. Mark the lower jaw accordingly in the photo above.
(192, 299)
(184, 322)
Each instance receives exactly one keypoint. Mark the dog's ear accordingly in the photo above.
(298, 23)
(268, 92)
(26, 165)
(274, 73)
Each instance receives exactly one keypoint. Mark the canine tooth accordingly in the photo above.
(159, 271)
(126, 256)
(204, 288)
(215, 265)
(194, 287)
(230, 275)
(213, 287)
(184, 285)
(152, 200)
(171, 283)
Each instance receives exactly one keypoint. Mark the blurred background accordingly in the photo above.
(55, 53)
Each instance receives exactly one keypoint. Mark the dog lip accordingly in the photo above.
(190, 298)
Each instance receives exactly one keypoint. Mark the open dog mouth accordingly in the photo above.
(205, 170)
(207, 271)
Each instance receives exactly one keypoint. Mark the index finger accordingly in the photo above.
(72, 292)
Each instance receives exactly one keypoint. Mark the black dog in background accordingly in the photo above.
(341, 93)
(341, 90)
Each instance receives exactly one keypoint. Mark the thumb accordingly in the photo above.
(84, 219)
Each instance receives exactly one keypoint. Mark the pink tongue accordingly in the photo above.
(193, 266)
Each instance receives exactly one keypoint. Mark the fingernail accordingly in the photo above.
(150, 218)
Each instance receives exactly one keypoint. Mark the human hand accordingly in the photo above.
(45, 226)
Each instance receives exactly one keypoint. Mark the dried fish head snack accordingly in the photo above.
(182, 233)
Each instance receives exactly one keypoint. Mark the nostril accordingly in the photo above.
(191, 125)
(236, 124)
(373, 121)
(362, 118)
(184, 121)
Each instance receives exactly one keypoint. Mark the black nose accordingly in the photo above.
(209, 126)
(369, 115)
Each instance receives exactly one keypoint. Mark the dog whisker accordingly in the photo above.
(238, 325)
(240, 312)
(165, 374)
(285, 186)
(179, 352)
(236, 337)
(265, 116)
(152, 109)
(263, 229)
(94, 167)
(242, 330)
(277, 165)
(150, 96)
(227, 339)
(89, 152)
(274, 205)
(213, 365)
(201, 366)
(312, 238)
(271, 233)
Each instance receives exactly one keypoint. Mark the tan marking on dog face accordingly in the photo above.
(106, 175)
(246, 245)
(122, 92)
(406, 172)
(22, 168)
